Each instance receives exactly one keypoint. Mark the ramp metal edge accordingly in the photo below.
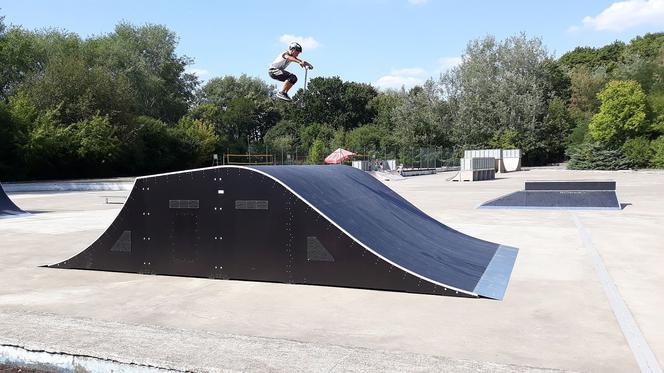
(496, 277)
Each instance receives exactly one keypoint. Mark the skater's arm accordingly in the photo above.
(302, 63)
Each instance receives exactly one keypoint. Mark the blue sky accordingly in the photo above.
(387, 43)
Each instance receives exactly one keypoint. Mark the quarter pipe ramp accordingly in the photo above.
(322, 225)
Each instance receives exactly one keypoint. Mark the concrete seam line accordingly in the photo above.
(630, 329)
(19, 355)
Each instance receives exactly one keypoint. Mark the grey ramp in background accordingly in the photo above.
(565, 195)
(320, 225)
(7, 207)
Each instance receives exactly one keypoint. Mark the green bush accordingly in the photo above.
(96, 141)
(658, 125)
(198, 140)
(657, 147)
(622, 114)
(50, 151)
(579, 133)
(594, 156)
(364, 138)
(148, 146)
(316, 152)
(504, 139)
(638, 151)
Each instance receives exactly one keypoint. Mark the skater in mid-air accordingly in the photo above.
(278, 71)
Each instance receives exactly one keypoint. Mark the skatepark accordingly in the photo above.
(582, 294)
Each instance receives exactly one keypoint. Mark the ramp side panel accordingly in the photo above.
(235, 223)
(7, 206)
(597, 185)
(363, 207)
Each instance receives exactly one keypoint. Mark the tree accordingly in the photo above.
(585, 85)
(607, 56)
(148, 147)
(638, 151)
(240, 108)
(78, 90)
(51, 148)
(417, 119)
(197, 141)
(220, 91)
(145, 56)
(553, 135)
(335, 103)
(315, 131)
(383, 105)
(622, 113)
(594, 156)
(10, 141)
(646, 72)
(365, 138)
(21, 54)
(97, 145)
(503, 86)
(648, 46)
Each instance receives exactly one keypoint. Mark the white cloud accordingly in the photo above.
(622, 15)
(412, 76)
(412, 71)
(198, 72)
(573, 29)
(446, 63)
(418, 2)
(407, 78)
(306, 42)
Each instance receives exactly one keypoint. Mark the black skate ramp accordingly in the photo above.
(561, 195)
(321, 225)
(7, 207)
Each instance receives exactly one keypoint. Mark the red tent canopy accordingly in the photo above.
(338, 156)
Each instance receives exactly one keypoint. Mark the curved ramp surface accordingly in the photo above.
(323, 225)
(7, 207)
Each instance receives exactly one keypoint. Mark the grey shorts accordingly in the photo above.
(282, 75)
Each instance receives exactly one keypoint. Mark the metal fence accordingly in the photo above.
(406, 158)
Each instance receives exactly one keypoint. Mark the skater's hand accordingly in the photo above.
(306, 65)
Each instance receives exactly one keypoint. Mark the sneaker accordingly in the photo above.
(284, 96)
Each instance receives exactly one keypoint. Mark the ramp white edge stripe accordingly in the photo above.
(630, 329)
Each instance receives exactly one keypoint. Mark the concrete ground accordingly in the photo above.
(556, 315)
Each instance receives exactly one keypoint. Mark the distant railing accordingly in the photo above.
(248, 159)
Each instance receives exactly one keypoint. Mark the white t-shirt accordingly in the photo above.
(280, 62)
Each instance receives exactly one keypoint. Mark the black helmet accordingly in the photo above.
(294, 46)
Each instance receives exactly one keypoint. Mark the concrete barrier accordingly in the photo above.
(506, 160)
(512, 160)
(476, 169)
